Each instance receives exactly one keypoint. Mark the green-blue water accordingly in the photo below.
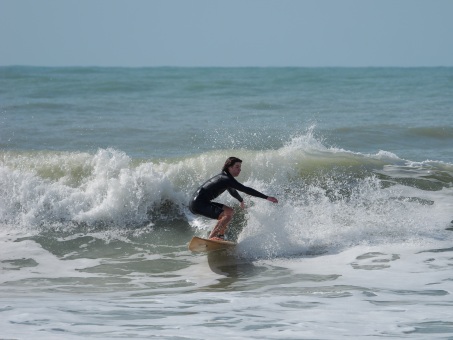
(97, 166)
(167, 112)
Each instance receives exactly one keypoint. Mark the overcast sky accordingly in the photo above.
(226, 33)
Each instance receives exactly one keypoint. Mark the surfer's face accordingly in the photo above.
(235, 169)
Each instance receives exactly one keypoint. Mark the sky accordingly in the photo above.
(229, 33)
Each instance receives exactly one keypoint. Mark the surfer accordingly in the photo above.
(202, 204)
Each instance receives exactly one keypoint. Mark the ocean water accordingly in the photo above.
(97, 166)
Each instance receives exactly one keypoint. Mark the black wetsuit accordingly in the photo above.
(214, 187)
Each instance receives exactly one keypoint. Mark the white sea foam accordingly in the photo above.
(391, 291)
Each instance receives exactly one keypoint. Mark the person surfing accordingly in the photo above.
(202, 200)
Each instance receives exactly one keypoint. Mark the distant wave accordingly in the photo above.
(438, 132)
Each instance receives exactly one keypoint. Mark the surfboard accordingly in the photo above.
(198, 244)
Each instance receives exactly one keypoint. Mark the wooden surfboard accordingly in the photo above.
(198, 244)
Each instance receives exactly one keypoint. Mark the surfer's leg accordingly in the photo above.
(222, 224)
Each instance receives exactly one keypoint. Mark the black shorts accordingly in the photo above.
(206, 208)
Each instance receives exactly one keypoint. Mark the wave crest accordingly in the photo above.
(327, 195)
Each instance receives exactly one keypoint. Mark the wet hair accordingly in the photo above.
(230, 162)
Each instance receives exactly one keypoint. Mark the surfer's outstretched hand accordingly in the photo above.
(272, 199)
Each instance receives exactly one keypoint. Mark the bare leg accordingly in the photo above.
(222, 225)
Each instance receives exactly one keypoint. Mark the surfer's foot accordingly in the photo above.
(218, 238)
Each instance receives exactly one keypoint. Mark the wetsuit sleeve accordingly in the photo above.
(246, 190)
(235, 194)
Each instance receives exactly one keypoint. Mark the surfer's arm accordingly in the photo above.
(256, 193)
(248, 190)
(235, 186)
(235, 194)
